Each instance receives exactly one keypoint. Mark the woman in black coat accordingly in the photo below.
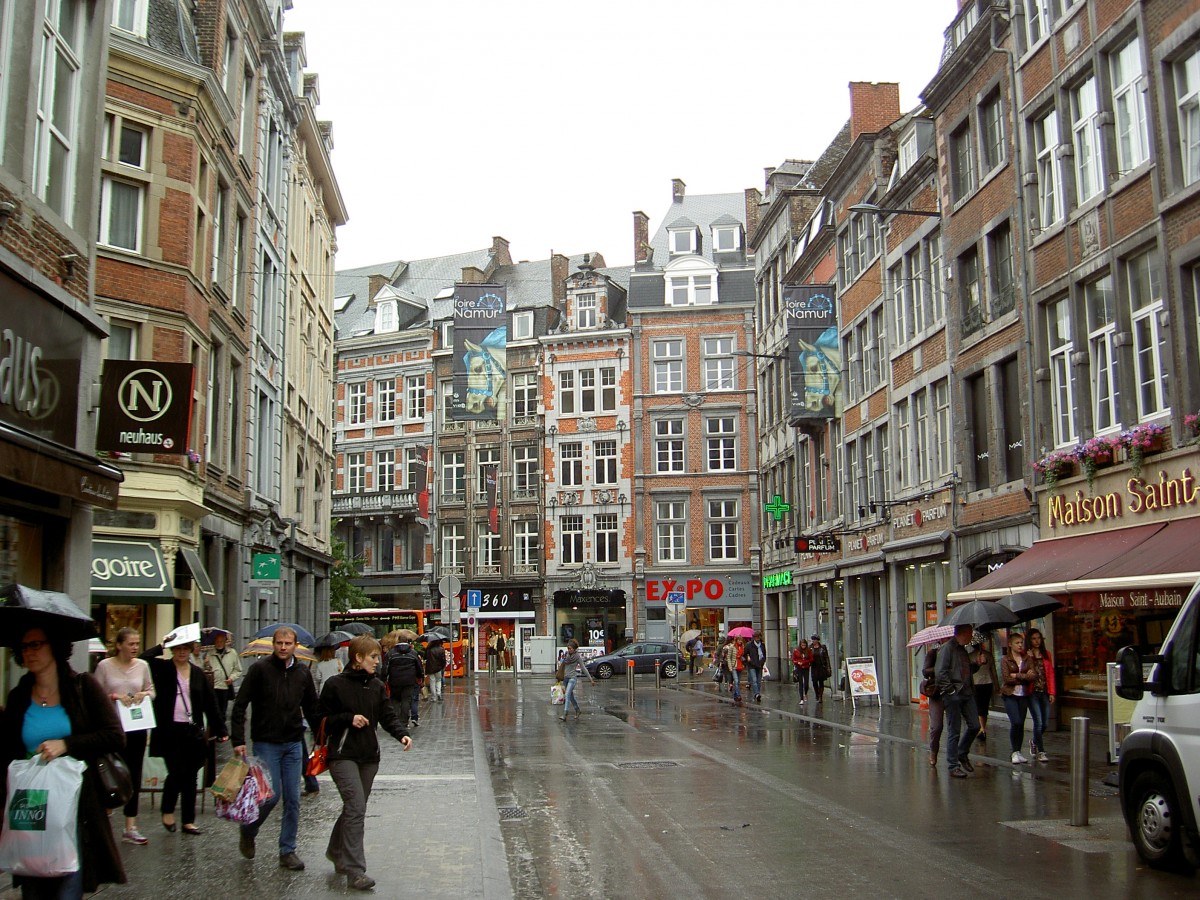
(94, 729)
(179, 736)
(352, 705)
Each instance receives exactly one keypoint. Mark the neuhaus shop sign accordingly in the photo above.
(1140, 497)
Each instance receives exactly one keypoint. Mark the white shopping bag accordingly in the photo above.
(40, 816)
(138, 717)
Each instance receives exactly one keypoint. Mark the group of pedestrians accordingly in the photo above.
(810, 660)
(959, 678)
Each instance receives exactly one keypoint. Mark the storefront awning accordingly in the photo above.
(50, 467)
(199, 574)
(1145, 556)
(129, 571)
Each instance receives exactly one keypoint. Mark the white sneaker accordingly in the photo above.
(1018, 757)
(1042, 757)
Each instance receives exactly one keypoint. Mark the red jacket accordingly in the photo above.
(801, 659)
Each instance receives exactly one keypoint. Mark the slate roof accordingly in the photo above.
(818, 172)
(704, 210)
(170, 30)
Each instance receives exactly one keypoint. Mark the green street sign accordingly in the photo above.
(777, 507)
(266, 567)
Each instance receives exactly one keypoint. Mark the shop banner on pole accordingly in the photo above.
(814, 351)
(480, 352)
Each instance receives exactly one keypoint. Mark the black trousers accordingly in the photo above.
(134, 755)
(184, 756)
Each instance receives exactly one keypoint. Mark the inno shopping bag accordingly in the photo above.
(39, 818)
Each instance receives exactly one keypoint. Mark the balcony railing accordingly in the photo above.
(525, 569)
(487, 570)
(375, 502)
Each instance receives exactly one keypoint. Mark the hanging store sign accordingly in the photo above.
(814, 352)
(480, 352)
(145, 406)
(823, 544)
(712, 590)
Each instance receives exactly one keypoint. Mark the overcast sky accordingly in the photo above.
(549, 122)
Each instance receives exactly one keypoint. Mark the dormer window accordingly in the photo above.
(585, 310)
(683, 240)
(727, 239)
(522, 326)
(385, 317)
(693, 290)
(130, 16)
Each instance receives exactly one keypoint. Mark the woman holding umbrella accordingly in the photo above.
(55, 711)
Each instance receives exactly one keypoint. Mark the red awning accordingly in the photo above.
(1061, 565)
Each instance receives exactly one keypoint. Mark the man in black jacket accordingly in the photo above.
(283, 694)
(404, 677)
(953, 673)
(756, 658)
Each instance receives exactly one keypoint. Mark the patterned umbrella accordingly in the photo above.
(934, 634)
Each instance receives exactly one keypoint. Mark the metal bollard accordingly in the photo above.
(631, 677)
(1079, 770)
(657, 675)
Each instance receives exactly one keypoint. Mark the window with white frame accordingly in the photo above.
(585, 310)
(414, 397)
(385, 470)
(386, 320)
(1129, 106)
(904, 445)
(852, 350)
(487, 461)
(690, 290)
(1062, 380)
(968, 285)
(525, 393)
(605, 462)
(454, 475)
(931, 268)
(58, 81)
(570, 463)
(907, 154)
(587, 391)
(943, 434)
(522, 326)
(726, 239)
(356, 403)
(123, 184)
(668, 366)
(1187, 102)
(670, 531)
(668, 445)
(1000, 269)
(718, 364)
(222, 222)
(721, 440)
(448, 402)
(525, 545)
(683, 240)
(723, 530)
(487, 550)
(1086, 140)
(608, 389)
(356, 472)
(606, 538)
(1102, 353)
(571, 538)
(231, 64)
(454, 547)
(1045, 145)
(962, 163)
(414, 468)
(920, 435)
(385, 399)
(525, 471)
(905, 295)
(865, 231)
(130, 15)
(991, 131)
(566, 392)
(1149, 337)
(875, 357)
(1037, 20)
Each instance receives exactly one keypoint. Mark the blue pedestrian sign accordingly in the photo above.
(676, 597)
(474, 599)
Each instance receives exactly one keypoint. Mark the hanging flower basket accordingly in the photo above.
(1056, 465)
(1140, 441)
(1191, 423)
(1094, 454)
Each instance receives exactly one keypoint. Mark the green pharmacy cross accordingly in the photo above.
(777, 507)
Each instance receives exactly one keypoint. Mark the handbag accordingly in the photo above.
(114, 780)
(318, 759)
(560, 674)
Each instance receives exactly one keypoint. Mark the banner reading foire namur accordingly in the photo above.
(814, 351)
(480, 351)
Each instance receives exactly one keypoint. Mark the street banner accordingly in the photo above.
(422, 485)
(480, 352)
(145, 406)
(814, 352)
(861, 677)
(490, 475)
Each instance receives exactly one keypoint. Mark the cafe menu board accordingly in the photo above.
(861, 677)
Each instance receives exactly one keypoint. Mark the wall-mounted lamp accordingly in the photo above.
(621, 426)
(7, 210)
(622, 499)
(620, 352)
(69, 261)
(553, 501)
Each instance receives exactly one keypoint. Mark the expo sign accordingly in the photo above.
(693, 588)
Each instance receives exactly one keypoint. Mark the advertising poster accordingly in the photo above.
(490, 476)
(480, 352)
(861, 677)
(814, 351)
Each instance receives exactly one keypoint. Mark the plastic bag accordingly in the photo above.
(264, 790)
(557, 693)
(244, 808)
(39, 839)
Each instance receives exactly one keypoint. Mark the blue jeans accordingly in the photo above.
(284, 763)
(1039, 708)
(1016, 707)
(66, 887)
(569, 695)
(960, 708)
(754, 679)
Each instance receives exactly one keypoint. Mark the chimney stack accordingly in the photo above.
(560, 268)
(874, 105)
(677, 189)
(641, 237)
(375, 284)
(500, 251)
(753, 211)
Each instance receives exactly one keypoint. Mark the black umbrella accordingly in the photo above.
(432, 637)
(22, 608)
(982, 614)
(357, 628)
(1030, 605)
(303, 635)
(333, 639)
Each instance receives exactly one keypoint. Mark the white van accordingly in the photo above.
(1160, 758)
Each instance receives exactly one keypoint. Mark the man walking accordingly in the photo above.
(756, 658)
(954, 683)
(435, 665)
(226, 667)
(404, 680)
(283, 695)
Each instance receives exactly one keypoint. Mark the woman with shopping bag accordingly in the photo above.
(55, 712)
(126, 680)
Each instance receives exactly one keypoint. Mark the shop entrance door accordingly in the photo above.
(523, 661)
